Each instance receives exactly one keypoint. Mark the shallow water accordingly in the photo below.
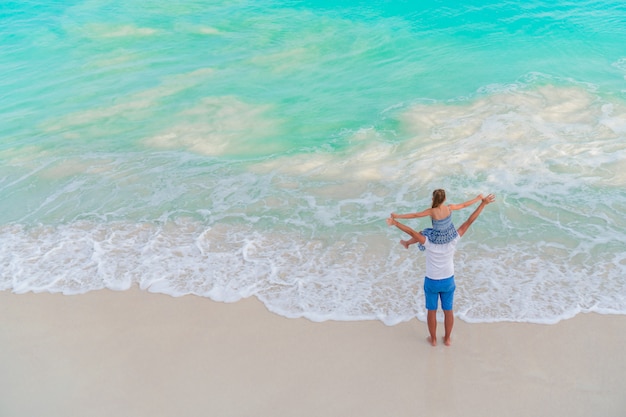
(237, 149)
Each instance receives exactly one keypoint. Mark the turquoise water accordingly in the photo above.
(236, 149)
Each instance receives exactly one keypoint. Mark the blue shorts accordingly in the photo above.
(439, 288)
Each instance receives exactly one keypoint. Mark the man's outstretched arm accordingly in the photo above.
(489, 199)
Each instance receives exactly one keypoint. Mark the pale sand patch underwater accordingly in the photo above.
(140, 354)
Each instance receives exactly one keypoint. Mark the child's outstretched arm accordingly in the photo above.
(424, 213)
(466, 204)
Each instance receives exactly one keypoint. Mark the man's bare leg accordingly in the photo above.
(431, 319)
(487, 200)
(448, 323)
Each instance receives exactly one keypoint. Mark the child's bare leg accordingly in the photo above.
(407, 243)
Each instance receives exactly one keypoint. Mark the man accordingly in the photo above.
(439, 279)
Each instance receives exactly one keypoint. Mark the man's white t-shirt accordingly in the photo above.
(440, 259)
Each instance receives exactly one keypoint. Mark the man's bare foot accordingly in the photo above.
(405, 243)
(433, 342)
(447, 341)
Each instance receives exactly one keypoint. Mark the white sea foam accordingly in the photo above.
(362, 274)
(522, 135)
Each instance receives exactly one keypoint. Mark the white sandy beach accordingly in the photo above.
(139, 354)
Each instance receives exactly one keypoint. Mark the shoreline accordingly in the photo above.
(143, 354)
